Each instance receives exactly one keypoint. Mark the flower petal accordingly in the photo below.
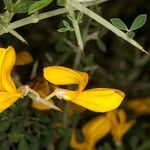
(23, 58)
(7, 61)
(75, 145)
(142, 104)
(120, 125)
(65, 76)
(100, 99)
(122, 117)
(7, 99)
(127, 126)
(96, 129)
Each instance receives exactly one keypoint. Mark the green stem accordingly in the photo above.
(75, 25)
(35, 18)
(105, 23)
(65, 120)
(77, 59)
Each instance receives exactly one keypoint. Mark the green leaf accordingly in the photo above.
(71, 29)
(15, 136)
(66, 24)
(23, 145)
(138, 22)
(9, 5)
(61, 2)
(70, 17)
(106, 146)
(4, 126)
(50, 134)
(131, 34)
(144, 146)
(119, 24)
(62, 30)
(66, 135)
(79, 17)
(23, 7)
(6, 17)
(4, 146)
(134, 142)
(38, 5)
(101, 45)
(62, 59)
(35, 142)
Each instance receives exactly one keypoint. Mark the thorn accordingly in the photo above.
(143, 50)
(17, 35)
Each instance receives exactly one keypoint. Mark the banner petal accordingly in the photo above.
(7, 61)
(64, 76)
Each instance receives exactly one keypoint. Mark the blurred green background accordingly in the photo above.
(109, 60)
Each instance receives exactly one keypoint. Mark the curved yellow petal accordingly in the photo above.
(23, 58)
(119, 123)
(7, 61)
(142, 104)
(7, 99)
(96, 129)
(64, 76)
(75, 145)
(40, 106)
(122, 116)
(93, 131)
(99, 99)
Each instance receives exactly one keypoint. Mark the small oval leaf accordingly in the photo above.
(23, 7)
(62, 30)
(131, 34)
(36, 6)
(9, 5)
(119, 23)
(23, 145)
(66, 24)
(138, 22)
(61, 2)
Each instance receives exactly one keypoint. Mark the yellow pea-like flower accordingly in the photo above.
(119, 125)
(8, 92)
(143, 105)
(98, 99)
(93, 131)
(23, 58)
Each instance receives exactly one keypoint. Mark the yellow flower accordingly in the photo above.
(120, 125)
(8, 92)
(43, 88)
(139, 106)
(23, 58)
(93, 131)
(98, 99)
